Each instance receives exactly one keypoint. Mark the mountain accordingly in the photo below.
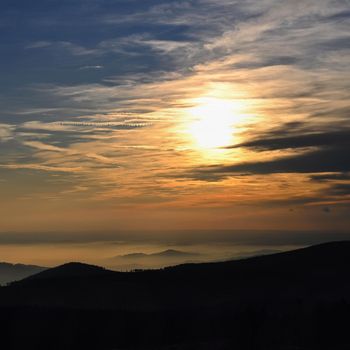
(273, 275)
(152, 261)
(170, 253)
(251, 254)
(14, 272)
(70, 270)
(133, 256)
(294, 300)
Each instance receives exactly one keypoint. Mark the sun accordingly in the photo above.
(213, 122)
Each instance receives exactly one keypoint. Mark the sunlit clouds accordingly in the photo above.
(175, 115)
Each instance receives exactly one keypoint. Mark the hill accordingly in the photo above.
(15, 272)
(169, 253)
(294, 300)
(70, 270)
(153, 260)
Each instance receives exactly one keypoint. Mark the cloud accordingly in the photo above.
(72, 48)
(331, 176)
(91, 67)
(6, 132)
(272, 140)
(129, 45)
(340, 189)
(104, 96)
(39, 45)
(42, 146)
(320, 153)
(324, 160)
(178, 36)
(41, 167)
(88, 124)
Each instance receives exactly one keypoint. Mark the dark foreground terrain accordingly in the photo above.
(295, 300)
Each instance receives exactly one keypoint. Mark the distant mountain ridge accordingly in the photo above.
(334, 255)
(293, 300)
(13, 272)
(141, 260)
(169, 253)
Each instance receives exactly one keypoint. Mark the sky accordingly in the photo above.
(148, 121)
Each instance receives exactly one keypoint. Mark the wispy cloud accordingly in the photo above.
(6, 132)
(102, 101)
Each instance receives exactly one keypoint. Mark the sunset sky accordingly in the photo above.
(149, 120)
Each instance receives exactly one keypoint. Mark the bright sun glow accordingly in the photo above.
(214, 121)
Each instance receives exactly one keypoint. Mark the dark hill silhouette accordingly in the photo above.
(294, 300)
(302, 271)
(71, 270)
(14, 272)
(326, 255)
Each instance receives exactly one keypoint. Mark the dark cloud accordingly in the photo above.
(335, 159)
(340, 189)
(330, 177)
(334, 113)
(267, 62)
(271, 142)
(336, 44)
(343, 15)
(324, 152)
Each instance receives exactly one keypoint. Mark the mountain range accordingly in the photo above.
(156, 260)
(294, 300)
(169, 253)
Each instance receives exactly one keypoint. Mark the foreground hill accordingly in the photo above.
(70, 270)
(294, 300)
(15, 272)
